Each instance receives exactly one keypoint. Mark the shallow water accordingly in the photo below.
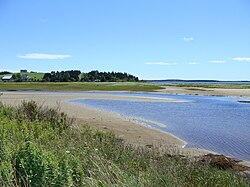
(219, 124)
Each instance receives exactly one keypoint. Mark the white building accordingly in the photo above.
(7, 78)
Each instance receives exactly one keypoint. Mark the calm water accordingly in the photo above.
(218, 124)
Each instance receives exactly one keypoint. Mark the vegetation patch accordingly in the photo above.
(39, 147)
(79, 86)
(197, 89)
(69, 76)
(33, 76)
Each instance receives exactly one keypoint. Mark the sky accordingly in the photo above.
(151, 39)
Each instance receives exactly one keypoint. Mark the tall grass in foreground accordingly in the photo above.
(38, 147)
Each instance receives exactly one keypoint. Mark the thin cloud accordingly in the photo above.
(218, 61)
(188, 39)
(43, 20)
(192, 63)
(43, 56)
(160, 63)
(241, 59)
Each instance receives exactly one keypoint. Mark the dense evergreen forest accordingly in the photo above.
(63, 76)
(5, 72)
(108, 77)
(92, 76)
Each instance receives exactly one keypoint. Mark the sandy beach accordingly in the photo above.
(125, 128)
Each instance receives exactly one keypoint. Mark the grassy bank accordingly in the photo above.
(225, 86)
(39, 147)
(78, 86)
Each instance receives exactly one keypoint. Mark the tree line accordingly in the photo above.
(108, 77)
(92, 76)
(75, 76)
(63, 76)
(5, 72)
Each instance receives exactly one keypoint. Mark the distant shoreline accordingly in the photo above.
(179, 81)
(226, 92)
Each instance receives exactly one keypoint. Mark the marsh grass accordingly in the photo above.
(39, 147)
(79, 86)
(196, 89)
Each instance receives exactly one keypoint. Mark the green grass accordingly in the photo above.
(39, 147)
(225, 86)
(78, 86)
(34, 75)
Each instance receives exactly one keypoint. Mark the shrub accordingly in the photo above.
(29, 164)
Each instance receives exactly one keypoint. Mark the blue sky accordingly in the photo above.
(152, 39)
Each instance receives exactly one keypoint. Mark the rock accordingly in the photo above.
(221, 162)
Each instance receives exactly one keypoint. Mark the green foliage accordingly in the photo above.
(29, 164)
(34, 76)
(31, 76)
(63, 76)
(38, 147)
(93, 76)
(17, 77)
(5, 73)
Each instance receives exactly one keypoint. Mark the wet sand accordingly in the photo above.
(245, 93)
(124, 128)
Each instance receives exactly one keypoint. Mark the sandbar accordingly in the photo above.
(244, 93)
